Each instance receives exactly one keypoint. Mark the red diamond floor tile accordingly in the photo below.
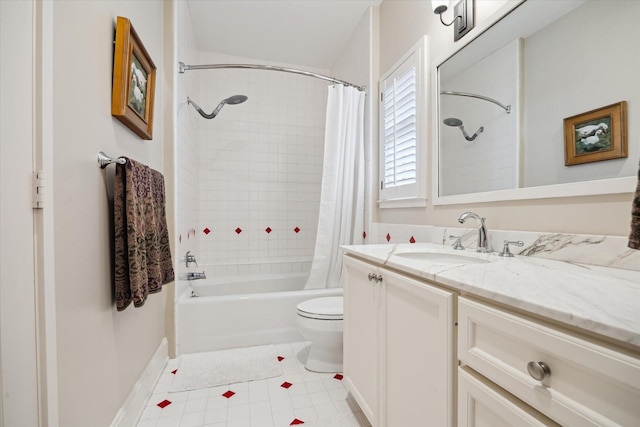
(164, 403)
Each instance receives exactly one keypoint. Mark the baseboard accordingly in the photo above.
(137, 399)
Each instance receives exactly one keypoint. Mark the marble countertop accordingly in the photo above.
(605, 301)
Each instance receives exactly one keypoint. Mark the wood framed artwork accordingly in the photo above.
(134, 79)
(596, 135)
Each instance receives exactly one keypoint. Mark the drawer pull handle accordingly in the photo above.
(538, 370)
(377, 278)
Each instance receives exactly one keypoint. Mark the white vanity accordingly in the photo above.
(438, 337)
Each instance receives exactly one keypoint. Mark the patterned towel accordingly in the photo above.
(634, 237)
(142, 253)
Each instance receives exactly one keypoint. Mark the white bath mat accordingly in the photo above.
(203, 370)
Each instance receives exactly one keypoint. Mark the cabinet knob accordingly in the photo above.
(371, 276)
(538, 370)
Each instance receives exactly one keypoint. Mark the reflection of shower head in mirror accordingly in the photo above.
(455, 122)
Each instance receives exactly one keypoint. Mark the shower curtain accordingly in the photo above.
(341, 216)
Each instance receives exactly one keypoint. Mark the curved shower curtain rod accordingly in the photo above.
(507, 108)
(184, 67)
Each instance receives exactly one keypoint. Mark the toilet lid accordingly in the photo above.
(327, 308)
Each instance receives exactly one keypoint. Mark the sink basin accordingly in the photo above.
(440, 257)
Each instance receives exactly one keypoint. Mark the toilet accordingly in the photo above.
(320, 321)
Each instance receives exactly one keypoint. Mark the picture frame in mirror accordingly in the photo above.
(596, 135)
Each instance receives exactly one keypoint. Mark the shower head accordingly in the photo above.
(232, 100)
(454, 122)
(235, 99)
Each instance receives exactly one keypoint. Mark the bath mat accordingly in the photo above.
(203, 370)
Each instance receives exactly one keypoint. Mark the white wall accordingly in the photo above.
(588, 81)
(401, 24)
(101, 352)
(187, 175)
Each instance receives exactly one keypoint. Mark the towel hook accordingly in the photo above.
(104, 160)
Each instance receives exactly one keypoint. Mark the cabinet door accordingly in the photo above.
(483, 404)
(417, 356)
(361, 337)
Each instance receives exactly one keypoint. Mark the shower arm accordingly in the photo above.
(471, 138)
(506, 108)
(202, 113)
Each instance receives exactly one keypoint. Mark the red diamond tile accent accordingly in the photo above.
(364, 234)
(238, 230)
(296, 422)
(164, 403)
(228, 394)
(412, 240)
(286, 384)
(297, 230)
(268, 230)
(175, 371)
(388, 237)
(338, 376)
(280, 358)
(206, 231)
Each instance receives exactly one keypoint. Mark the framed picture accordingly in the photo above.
(596, 135)
(134, 79)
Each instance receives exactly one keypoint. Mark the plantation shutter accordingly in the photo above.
(400, 129)
(402, 151)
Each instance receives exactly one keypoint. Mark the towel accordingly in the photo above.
(634, 237)
(142, 253)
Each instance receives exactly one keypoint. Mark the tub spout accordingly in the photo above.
(196, 275)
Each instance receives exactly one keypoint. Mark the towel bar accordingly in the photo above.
(104, 160)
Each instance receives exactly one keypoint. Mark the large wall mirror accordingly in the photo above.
(502, 100)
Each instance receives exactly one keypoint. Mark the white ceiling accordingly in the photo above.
(294, 32)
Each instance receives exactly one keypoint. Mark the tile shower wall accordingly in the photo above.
(259, 169)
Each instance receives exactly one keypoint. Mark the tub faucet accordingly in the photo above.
(482, 231)
(196, 275)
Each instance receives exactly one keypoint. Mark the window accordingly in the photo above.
(402, 151)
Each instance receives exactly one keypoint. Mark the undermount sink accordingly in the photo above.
(441, 257)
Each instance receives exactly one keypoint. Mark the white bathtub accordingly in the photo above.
(242, 311)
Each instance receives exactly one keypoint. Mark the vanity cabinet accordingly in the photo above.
(579, 382)
(398, 346)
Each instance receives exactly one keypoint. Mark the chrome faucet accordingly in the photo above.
(189, 258)
(196, 275)
(482, 231)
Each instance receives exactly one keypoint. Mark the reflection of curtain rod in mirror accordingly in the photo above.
(507, 108)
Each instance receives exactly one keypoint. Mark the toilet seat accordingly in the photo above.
(327, 308)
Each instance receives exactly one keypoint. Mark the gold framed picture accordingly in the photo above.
(596, 135)
(134, 78)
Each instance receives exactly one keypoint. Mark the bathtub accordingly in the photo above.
(242, 311)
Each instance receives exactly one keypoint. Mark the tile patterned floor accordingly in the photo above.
(298, 397)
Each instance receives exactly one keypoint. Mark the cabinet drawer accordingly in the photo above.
(589, 384)
(483, 404)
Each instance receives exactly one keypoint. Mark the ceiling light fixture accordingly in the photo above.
(463, 16)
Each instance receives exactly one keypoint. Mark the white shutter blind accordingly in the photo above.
(400, 129)
(402, 151)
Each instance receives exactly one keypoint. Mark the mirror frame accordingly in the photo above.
(618, 185)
